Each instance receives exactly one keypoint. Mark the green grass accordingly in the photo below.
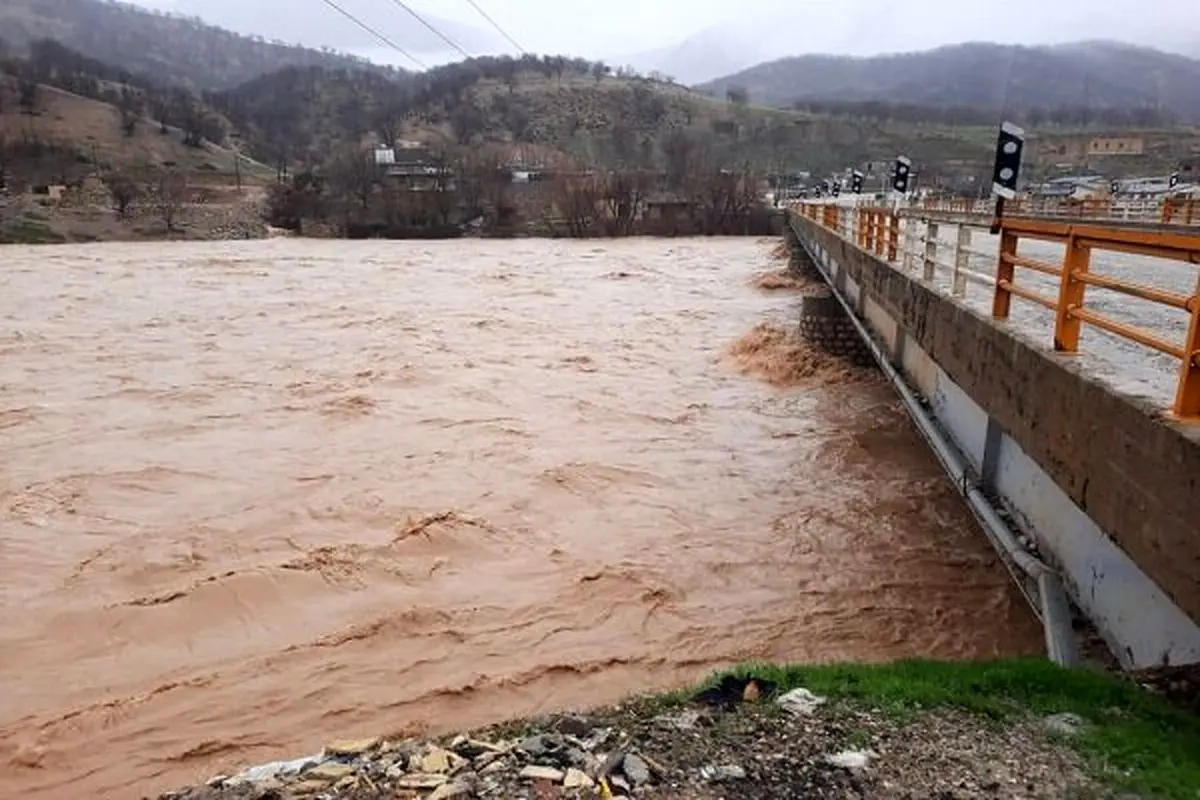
(1135, 742)
(29, 230)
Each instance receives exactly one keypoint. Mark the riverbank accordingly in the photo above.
(1000, 729)
(25, 220)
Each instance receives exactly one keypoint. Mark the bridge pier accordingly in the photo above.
(824, 324)
(800, 263)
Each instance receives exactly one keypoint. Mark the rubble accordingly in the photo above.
(736, 739)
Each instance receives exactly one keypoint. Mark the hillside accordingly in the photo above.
(1094, 74)
(176, 50)
(570, 106)
(116, 166)
(90, 131)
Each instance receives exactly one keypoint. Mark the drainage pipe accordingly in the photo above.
(1052, 605)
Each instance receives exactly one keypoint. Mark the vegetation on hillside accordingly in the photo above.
(572, 105)
(176, 50)
(1043, 81)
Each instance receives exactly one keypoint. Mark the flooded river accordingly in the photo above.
(255, 496)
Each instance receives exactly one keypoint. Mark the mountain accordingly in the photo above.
(315, 24)
(173, 49)
(1095, 74)
(757, 31)
(706, 56)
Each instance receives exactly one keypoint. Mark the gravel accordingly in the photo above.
(704, 750)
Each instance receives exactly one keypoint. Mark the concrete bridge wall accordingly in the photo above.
(1108, 489)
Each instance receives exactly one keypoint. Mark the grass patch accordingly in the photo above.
(28, 230)
(1135, 740)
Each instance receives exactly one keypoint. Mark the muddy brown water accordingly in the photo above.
(255, 496)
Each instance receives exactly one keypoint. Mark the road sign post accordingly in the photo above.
(1010, 145)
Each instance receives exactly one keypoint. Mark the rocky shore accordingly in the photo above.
(745, 737)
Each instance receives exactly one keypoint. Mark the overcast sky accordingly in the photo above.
(725, 32)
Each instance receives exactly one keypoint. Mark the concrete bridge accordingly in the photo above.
(1052, 362)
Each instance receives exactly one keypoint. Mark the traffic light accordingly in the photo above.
(1009, 147)
(900, 174)
(856, 182)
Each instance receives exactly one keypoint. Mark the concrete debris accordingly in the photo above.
(799, 701)
(351, 747)
(728, 772)
(750, 751)
(577, 779)
(534, 772)
(850, 759)
(1065, 724)
(275, 769)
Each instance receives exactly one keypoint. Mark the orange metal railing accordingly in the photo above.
(877, 230)
(1183, 211)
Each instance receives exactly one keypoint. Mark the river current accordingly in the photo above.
(255, 496)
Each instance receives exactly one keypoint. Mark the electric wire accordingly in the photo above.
(374, 33)
(431, 28)
(496, 25)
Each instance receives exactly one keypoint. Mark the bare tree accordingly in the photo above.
(467, 121)
(625, 195)
(29, 97)
(389, 122)
(624, 141)
(170, 196)
(738, 95)
(352, 174)
(483, 183)
(130, 106)
(722, 199)
(679, 148)
(124, 191)
(577, 201)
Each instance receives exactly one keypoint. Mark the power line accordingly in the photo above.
(495, 25)
(374, 33)
(435, 31)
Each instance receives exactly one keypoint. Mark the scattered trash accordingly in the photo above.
(799, 701)
(729, 772)
(275, 769)
(1066, 724)
(850, 759)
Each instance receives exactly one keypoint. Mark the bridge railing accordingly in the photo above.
(918, 244)
(1182, 211)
